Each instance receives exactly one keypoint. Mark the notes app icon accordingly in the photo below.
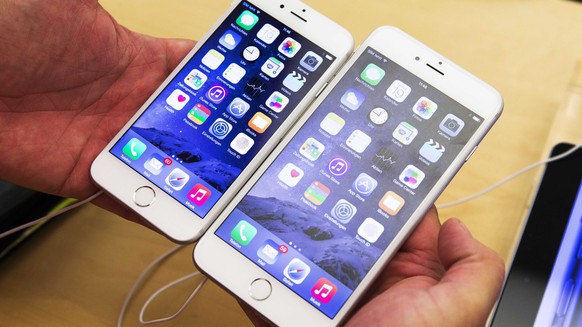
(324, 290)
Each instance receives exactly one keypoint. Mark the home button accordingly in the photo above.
(144, 196)
(260, 289)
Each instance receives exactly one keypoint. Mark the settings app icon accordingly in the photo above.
(343, 211)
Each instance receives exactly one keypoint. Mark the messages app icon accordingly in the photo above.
(247, 20)
(373, 74)
(243, 232)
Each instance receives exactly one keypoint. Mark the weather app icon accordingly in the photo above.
(230, 39)
(353, 99)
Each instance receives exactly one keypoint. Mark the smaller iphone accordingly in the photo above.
(309, 233)
(197, 139)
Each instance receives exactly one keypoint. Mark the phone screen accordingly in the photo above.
(324, 211)
(215, 115)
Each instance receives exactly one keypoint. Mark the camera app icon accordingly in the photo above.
(452, 125)
(311, 61)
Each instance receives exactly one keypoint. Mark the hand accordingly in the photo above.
(70, 78)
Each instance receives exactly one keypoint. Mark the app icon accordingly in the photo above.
(251, 53)
(343, 211)
(312, 149)
(247, 20)
(370, 230)
(269, 252)
(268, 33)
(260, 122)
(384, 158)
(243, 232)
(213, 59)
(296, 271)
(294, 81)
(134, 149)
(432, 150)
(238, 107)
(277, 101)
(234, 73)
(323, 291)
(353, 99)
(311, 61)
(379, 116)
(358, 141)
(217, 93)
(316, 193)
(398, 91)
(425, 108)
(338, 166)
(364, 184)
(177, 179)
(452, 125)
(255, 86)
(199, 194)
(391, 203)
(290, 175)
(155, 164)
(411, 176)
(272, 67)
(230, 39)
(195, 79)
(242, 143)
(332, 123)
(405, 133)
(178, 99)
(199, 114)
(220, 128)
(289, 47)
(372, 74)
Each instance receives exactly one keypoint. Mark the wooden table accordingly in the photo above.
(78, 269)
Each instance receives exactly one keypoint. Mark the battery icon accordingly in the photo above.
(328, 57)
(477, 119)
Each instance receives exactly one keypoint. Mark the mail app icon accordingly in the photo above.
(155, 164)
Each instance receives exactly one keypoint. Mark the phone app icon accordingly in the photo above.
(254, 87)
(384, 158)
(251, 53)
(391, 203)
(272, 67)
(238, 107)
(294, 81)
(212, 59)
(178, 99)
(353, 99)
(220, 128)
(199, 114)
(217, 93)
(296, 271)
(234, 73)
(311, 61)
(247, 20)
(343, 211)
(398, 91)
(312, 149)
(370, 230)
(155, 164)
(405, 133)
(230, 39)
(243, 232)
(269, 252)
(425, 107)
(268, 33)
(324, 290)
(134, 149)
(199, 194)
(452, 125)
(379, 116)
(195, 79)
(277, 101)
(260, 122)
(338, 166)
(372, 74)
(332, 123)
(316, 193)
(291, 175)
(242, 143)
(411, 176)
(289, 47)
(177, 179)
(358, 141)
(432, 150)
(364, 184)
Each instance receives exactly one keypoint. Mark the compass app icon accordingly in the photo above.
(177, 179)
(296, 271)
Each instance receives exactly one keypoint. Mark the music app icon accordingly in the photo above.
(199, 194)
(324, 290)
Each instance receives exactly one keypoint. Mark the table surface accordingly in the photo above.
(78, 269)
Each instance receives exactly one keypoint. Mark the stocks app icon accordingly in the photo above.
(255, 86)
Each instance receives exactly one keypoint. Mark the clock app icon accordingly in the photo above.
(379, 116)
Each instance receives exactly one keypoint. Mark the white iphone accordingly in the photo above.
(309, 233)
(197, 139)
